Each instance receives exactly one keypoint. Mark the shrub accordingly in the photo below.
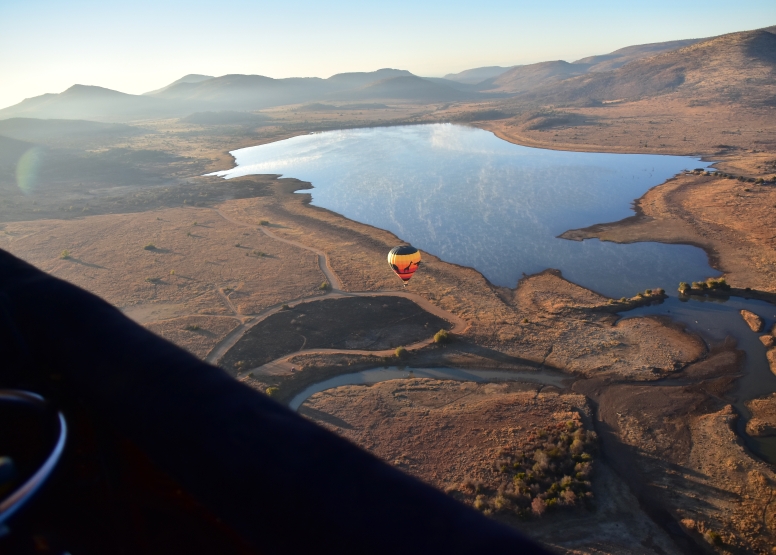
(648, 292)
(172, 272)
(65, 255)
(150, 247)
(237, 245)
(684, 286)
(623, 300)
(713, 537)
(442, 337)
(538, 506)
(272, 391)
(324, 286)
(264, 222)
(400, 352)
(660, 291)
(192, 327)
(285, 307)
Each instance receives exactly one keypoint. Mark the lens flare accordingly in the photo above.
(28, 168)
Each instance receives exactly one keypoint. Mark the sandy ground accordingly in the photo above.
(763, 420)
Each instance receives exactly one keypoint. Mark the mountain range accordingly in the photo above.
(737, 67)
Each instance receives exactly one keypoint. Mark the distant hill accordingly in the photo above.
(246, 92)
(46, 131)
(618, 58)
(255, 92)
(241, 93)
(520, 79)
(92, 103)
(737, 67)
(477, 74)
(343, 81)
(226, 117)
(190, 78)
(411, 88)
(523, 78)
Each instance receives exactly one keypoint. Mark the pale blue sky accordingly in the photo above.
(139, 45)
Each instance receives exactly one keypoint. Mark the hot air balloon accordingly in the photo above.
(404, 260)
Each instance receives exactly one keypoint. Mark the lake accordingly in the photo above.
(473, 199)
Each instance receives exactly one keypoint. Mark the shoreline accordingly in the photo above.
(713, 257)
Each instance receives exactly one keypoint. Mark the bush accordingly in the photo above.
(272, 391)
(660, 291)
(264, 222)
(538, 506)
(65, 255)
(713, 537)
(285, 307)
(150, 247)
(684, 286)
(324, 286)
(400, 352)
(192, 327)
(442, 337)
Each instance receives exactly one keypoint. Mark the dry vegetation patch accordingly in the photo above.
(179, 256)
(509, 449)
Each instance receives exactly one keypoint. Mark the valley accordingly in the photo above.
(248, 274)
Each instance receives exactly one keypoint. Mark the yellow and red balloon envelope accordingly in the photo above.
(404, 260)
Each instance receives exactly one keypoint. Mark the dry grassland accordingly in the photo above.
(167, 265)
(453, 435)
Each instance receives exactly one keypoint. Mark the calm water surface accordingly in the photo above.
(470, 198)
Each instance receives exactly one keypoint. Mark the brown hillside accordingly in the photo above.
(521, 79)
(738, 67)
